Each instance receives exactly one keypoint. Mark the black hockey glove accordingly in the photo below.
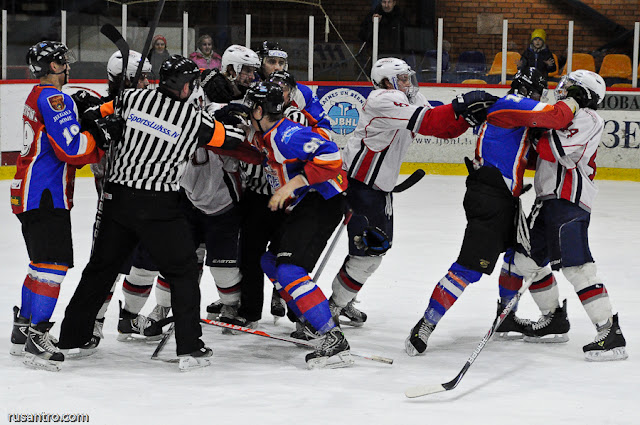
(217, 87)
(473, 106)
(233, 114)
(107, 130)
(84, 100)
(373, 241)
(583, 97)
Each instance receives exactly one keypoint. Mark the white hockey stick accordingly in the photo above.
(422, 390)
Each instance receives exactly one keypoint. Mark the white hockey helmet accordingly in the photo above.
(588, 80)
(114, 66)
(238, 56)
(398, 73)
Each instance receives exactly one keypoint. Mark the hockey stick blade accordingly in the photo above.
(414, 178)
(422, 390)
(374, 358)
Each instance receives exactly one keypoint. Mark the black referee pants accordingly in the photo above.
(156, 221)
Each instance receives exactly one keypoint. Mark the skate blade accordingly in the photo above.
(34, 362)
(213, 316)
(350, 322)
(78, 353)
(138, 338)
(17, 350)
(188, 363)
(343, 359)
(547, 339)
(618, 353)
(508, 336)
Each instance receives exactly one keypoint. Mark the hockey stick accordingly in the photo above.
(334, 242)
(163, 341)
(287, 339)
(422, 390)
(147, 43)
(414, 178)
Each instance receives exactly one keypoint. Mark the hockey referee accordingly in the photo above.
(162, 129)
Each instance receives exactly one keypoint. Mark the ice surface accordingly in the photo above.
(254, 380)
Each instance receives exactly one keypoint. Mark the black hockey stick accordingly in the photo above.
(163, 341)
(414, 178)
(147, 43)
(422, 390)
(287, 339)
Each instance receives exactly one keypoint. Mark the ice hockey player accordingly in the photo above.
(560, 219)
(306, 172)
(41, 198)
(394, 112)
(238, 70)
(494, 185)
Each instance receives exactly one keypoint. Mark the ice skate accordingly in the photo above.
(278, 306)
(195, 360)
(214, 309)
(551, 328)
(355, 317)
(304, 331)
(416, 342)
(513, 327)
(229, 314)
(18, 333)
(40, 349)
(90, 347)
(332, 353)
(135, 327)
(608, 345)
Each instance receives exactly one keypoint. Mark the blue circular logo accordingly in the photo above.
(344, 117)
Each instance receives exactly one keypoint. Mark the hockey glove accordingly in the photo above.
(373, 241)
(84, 100)
(233, 114)
(107, 130)
(217, 87)
(584, 97)
(473, 106)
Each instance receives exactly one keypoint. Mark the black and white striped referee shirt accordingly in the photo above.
(160, 135)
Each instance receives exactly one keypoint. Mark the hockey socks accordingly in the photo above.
(40, 290)
(300, 292)
(352, 275)
(448, 290)
(510, 280)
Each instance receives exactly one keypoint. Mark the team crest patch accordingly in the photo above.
(484, 263)
(56, 102)
(15, 201)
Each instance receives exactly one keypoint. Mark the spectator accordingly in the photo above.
(158, 53)
(538, 54)
(204, 56)
(391, 30)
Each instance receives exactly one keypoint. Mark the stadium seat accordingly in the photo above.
(512, 63)
(622, 85)
(580, 61)
(429, 61)
(474, 81)
(616, 66)
(555, 73)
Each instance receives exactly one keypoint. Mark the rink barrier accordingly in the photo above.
(604, 173)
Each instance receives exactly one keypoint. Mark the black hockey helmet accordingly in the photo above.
(176, 71)
(283, 77)
(528, 81)
(266, 94)
(41, 54)
(270, 48)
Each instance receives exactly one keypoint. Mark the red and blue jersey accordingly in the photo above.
(503, 141)
(53, 147)
(292, 149)
(305, 100)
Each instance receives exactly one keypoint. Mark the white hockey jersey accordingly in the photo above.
(386, 127)
(375, 150)
(566, 161)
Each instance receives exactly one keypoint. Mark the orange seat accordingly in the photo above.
(555, 73)
(474, 81)
(616, 66)
(581, 61)
(512, 63)
(622, 85)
